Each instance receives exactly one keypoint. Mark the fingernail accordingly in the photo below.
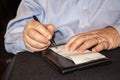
(65, 47)
(49, 36)
(93, 50)
(71, 49)
(49, 43)
(79, 51)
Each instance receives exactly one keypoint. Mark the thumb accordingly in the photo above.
(50, 28)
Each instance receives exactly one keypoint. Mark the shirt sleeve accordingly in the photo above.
(14, 34)
(117, 27)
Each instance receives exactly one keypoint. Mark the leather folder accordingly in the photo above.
(64, 65)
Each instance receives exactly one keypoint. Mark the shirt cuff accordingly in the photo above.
(20, 45)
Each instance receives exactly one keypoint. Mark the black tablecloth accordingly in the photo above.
(29, 66)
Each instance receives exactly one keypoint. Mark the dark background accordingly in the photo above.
(8, 10)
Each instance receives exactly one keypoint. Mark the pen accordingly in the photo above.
(52, 40)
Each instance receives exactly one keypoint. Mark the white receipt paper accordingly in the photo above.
(77, 57)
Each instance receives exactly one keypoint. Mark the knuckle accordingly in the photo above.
(101, 46)
(30, 22)
(50, 25)
(86, 44)
(31, 32)
(29, 48)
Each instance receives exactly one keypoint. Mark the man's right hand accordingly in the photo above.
(37, 36)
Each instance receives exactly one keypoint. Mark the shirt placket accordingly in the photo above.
(84, 18)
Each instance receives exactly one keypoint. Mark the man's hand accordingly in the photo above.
(98, 40)
(37, 36)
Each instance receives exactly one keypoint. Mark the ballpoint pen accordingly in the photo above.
(52, 40)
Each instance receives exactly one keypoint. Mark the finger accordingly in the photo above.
(33, 34)
(70, 41)
(50, 28)
(101, 46)
(87, 44)
(79, 41)
(35, 44)
(32, 49)
(42, 29)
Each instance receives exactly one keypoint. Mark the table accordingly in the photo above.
(29, 66)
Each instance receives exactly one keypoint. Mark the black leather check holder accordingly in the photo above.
(64, 65)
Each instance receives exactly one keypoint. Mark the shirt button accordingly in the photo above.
(84, 25)
(84, 8)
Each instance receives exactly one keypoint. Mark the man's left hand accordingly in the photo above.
(97, 40)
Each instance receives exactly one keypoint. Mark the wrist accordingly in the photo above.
(115, 36)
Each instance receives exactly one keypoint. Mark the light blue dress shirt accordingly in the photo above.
(70, 17)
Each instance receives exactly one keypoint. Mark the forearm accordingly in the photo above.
(14, 33)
